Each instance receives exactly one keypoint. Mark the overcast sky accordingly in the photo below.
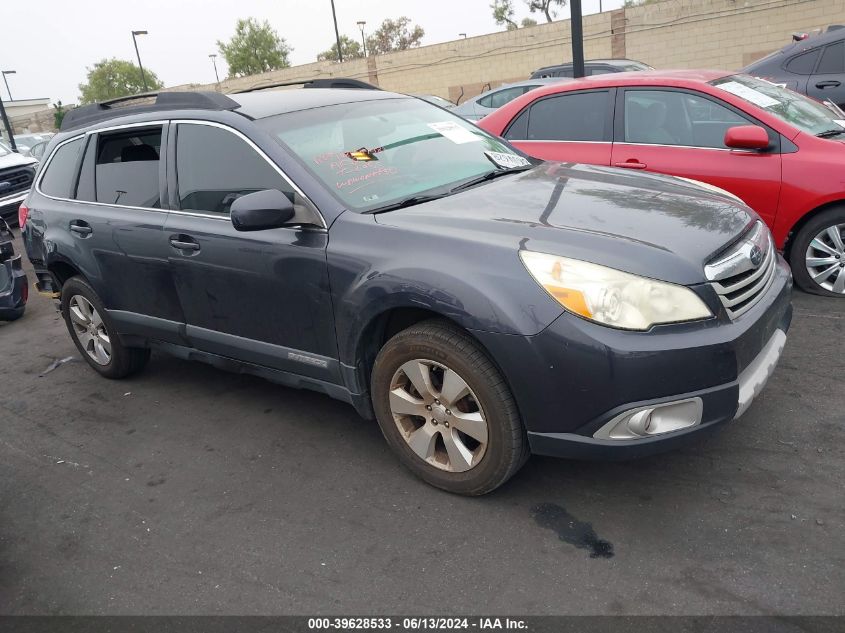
(51, 42)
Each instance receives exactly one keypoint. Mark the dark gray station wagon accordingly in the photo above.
(381, 250)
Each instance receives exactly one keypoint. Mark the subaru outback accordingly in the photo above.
(481, 306)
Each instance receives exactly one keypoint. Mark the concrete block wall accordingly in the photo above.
(721, 34)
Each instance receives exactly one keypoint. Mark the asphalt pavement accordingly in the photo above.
(187, 490)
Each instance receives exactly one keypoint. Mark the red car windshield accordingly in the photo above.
(799, 111)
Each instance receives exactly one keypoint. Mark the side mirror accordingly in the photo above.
(747, 137)
(37, 150)
(268, 209)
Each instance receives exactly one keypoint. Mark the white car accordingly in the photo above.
(480, 106)
(16, 175)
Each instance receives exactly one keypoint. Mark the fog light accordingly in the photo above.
(652, 420)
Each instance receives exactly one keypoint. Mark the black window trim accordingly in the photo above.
(94, 133)
(172, 176)
(619, 120)
(608, 123)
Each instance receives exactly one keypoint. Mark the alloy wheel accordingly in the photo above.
(825, 258)
(438, 415)
(90, 330)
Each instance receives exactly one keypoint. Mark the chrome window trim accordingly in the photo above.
(262, 154)
(43, 168)
(538, 140)
(713, 149)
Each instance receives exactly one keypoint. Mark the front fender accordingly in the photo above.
(375, 268)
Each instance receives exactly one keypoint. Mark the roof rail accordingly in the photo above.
(335, 82)
(88, 114)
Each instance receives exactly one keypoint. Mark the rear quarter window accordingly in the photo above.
(804, 63)
(60, 174)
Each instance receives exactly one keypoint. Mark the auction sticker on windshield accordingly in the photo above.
(749, 94)
(454, 132)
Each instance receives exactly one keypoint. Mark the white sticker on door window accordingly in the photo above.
(454, 132)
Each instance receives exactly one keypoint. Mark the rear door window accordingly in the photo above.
(571, 117)
(501, 97)
(804, 63)
(127, 168)
(60, 175)
(833, 59)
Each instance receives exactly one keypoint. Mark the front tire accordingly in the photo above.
(817, 255)
(94, 334)
(446, 411)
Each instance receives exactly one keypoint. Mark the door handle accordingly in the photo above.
(81, 228)
(831, 83)
(631, 163)
(183, 243)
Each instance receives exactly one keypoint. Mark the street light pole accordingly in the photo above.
(6, 81)
(7, 126)
(577, 34)
(138, 55)
(361, 24)
(337, 35)
(214, 62)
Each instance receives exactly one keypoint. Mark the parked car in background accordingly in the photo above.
(780, 152)
(814, 66)
(438, 101)
(592, 67)
(25, 142)
(37, 150)
(386, 252)
(14, 289)
(16, 175)
(481, 105)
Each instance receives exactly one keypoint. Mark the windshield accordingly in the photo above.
(799, 111)
(374, 153)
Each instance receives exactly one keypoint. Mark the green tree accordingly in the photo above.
(58, 114)
(112, 78)
(528, 22)
(254, 48)
(394, 35)
(638, 3)
(349, 47)
(503, 14)
(545, 7)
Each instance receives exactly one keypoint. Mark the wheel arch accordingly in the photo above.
(795, 229)
(389, 322)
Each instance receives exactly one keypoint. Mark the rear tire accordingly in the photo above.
(460, 431)
(818, 251)
(94, 334)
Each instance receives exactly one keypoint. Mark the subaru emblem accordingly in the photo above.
(756, 256)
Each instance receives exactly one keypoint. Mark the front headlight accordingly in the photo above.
(612, 297)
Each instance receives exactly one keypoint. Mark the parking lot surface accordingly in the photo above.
(193, 491)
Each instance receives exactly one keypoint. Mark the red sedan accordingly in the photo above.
(782, 153)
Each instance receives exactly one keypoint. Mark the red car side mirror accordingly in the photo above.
(747, 137)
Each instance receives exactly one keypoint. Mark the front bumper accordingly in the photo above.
(574, 378)
(13, 289)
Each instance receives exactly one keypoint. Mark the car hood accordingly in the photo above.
(645, 224)
(15, 160)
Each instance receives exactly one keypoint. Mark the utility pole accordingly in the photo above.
(337, 35)
(362, 24)
(7, 126)
(577, 34)
(138, 55)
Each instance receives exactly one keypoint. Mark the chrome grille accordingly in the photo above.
(16, 180)
(743, 275)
